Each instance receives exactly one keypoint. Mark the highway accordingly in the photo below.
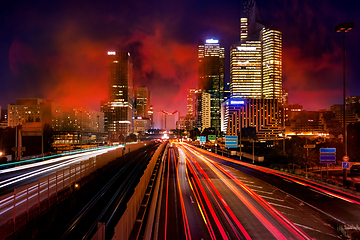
(101, 197)
(208, 196)
(323, 206)
(203, 200)
(15, 177)
(337, 204)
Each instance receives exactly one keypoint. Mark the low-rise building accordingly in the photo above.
(71, 125)
(261, 114)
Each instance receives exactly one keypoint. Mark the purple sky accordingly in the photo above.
(58, 50)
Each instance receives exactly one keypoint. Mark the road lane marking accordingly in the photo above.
(327, 195)
(256, 190)
(245, 181)
(251, 186)
(316, 230)
(278, 205)
(276, 199)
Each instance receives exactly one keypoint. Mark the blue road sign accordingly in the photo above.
(327, 155)
(346, 165)
(231, 141)
(202, 139)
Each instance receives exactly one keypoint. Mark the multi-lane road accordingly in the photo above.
(207, 196)
(12, 178)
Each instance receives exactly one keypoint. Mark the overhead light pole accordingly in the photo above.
(344, 27)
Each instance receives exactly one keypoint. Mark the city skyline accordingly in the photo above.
(56, 51)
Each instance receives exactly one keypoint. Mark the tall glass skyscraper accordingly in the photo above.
(255, 78)
(119, 108)
(256, 61)
(142, 102)
(211, 76)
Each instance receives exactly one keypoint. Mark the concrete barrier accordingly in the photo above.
(123, 228)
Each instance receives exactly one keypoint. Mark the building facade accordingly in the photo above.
(71, 125)
(141, 125)
(261, 114)
(202, 110)
(256, 63)
(142, 101)
(256, 80)
(211, 57)
(167, 120)
(190, 102)
(185, 123)
(119, 108)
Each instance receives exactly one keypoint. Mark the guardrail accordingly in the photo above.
(32, 159)
(39, 158)
(27, 202)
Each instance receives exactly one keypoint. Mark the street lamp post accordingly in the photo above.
(344, 27)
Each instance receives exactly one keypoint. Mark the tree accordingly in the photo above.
(296, 151)
(354, 142)
(208, 131)
(249, 133)
(7, 141)
(131, 138)
(179, 133)
(194, 133)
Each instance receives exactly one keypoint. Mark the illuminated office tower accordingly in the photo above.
(272, 63)
(255, 78)
(118, 109)
(143, 116)
(243, 28)
(246, 70)
(142, 100)
(202, 110)
(190, 101)
(211, 76)
(256, 61)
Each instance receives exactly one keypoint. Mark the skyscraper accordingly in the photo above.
(246, 70)
(190, 102)
(143, 119)
(211, 76)
(255, 78)
(142, 99)
(118, 109)
(256, 61)
(202, 109)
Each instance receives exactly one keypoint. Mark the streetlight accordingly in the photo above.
(344, 27)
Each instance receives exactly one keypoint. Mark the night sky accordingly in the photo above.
(59, 50)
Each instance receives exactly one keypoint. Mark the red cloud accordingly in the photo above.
(166, 67)
(77, 67)
(314, 82)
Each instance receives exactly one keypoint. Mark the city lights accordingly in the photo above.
(246, 48)
(181, 120)
(212, 41)
(234, 102)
